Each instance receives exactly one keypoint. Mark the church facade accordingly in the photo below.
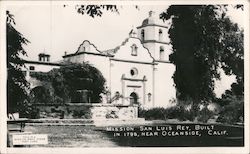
(138, 70)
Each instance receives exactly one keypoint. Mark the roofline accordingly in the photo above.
(90, 44)
(43, 54)
(43, 63)
(163, 61)
(151, 25)
(90, 53)
(132, 61)
(154, 41)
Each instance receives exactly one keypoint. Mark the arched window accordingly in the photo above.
(149, 97)
(160, 34)
(161, 56)
(134, 50)
(142, 35)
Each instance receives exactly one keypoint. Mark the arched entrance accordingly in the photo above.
(133, 98)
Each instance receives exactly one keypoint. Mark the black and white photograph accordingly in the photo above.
(125, 75)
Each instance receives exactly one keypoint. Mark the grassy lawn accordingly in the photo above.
(71, 136)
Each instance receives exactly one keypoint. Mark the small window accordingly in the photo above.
(161, 53)
(117, 95)
(160, 34)
(149, 97)
(134, 50)
(142, 35)
(32, 68)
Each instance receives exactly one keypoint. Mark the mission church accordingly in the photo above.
(138, 69)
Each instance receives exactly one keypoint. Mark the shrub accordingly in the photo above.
(180, 112)
(35, 114)
(175, 112)
(84, 114)
(233, 111)
(153, 114)
(26, 110)
(204, 115)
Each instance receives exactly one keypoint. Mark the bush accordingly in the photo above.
(83, 114)
(35, 114)
(154, 114)
(233, 111)
(175, 112)
(26, 110)
(180, 112)
(204, 115)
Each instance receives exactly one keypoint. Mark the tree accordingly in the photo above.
(16, 82)
(232, 100)
(73, 77)
(95, 10)
(233, 59)
(70, 78)
(199, 35)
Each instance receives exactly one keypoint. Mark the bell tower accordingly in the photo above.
(153, 33)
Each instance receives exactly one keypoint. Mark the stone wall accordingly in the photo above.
(109, 111)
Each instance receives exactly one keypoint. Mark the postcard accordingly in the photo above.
(124, 77)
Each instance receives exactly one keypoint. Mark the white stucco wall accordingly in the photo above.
(124, 51)
(154, 49)
(164, 84)
(88, 53)
(40, 67)
(101, 63)
(164, 36)
(75, 59)
(151, 33)
(121, 65)
(123, 68)
(151, 49)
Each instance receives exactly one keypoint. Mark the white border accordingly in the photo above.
(3, 80)
(197, 150)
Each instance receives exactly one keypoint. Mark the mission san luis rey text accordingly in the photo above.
(167, 130)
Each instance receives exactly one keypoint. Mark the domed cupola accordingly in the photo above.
(152, 19)
(153, 34)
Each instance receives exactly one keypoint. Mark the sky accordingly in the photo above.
(58, 29)
(55, 29)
